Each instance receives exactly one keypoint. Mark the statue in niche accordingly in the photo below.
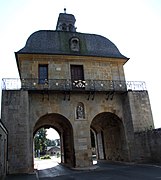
(74, 44)
(80, 111)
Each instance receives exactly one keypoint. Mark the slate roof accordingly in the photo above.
(57, 42)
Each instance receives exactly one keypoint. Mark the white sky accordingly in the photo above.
(134, 26)
(52, 134)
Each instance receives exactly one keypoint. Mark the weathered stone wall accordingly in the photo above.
(140, 110)
(15, 118)
(3, 151)
(49, 103)
(128, 124)
(59, 67)
(22, 110)
(148, 145)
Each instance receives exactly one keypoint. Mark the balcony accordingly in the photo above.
(71, 86)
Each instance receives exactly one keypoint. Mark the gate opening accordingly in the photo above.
(65, 131)
(108, 138)
(47, 148)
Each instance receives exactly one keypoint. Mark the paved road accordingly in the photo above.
(111, 171)
(102, 171)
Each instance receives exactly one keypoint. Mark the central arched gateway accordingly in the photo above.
(109, 133)
(65, 130)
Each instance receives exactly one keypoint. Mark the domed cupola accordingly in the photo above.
(66, 22)
(66, 41)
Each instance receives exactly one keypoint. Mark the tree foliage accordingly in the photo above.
(40, 141)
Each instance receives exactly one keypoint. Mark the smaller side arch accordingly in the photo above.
(110, 137)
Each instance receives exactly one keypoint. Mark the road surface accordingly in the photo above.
(101, 171)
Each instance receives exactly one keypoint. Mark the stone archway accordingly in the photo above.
(110, 137)
(65, 130)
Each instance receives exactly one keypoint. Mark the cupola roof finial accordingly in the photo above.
(65, 10)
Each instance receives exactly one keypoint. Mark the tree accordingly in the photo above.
(40, 141)
(50, 142)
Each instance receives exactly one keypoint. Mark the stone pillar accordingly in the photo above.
(138, 117)
(100, 146)
(141, 110)
(130, 151)
(82, 143)
(15, 115)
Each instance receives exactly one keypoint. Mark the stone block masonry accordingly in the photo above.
(15, 118)
(149, 145)
(3, 150)
(140, 110)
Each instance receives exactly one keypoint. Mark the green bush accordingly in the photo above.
(46, 157)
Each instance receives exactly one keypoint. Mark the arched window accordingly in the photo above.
(70, 27)
(64, 27)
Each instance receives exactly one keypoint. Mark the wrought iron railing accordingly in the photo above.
(69, 85)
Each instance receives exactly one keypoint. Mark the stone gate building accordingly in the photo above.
(75, 83)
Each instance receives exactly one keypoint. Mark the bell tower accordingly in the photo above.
(66, 22)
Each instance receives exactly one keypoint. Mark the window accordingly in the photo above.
(71, 27)
(77, 77)
(77, 72)
(43, 73)
(64, 27)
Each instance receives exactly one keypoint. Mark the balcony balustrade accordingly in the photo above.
(69, 85)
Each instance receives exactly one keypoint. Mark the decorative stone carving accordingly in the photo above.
(80, 113)
(74, 44)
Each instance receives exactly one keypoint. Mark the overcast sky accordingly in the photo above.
(134, 26)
